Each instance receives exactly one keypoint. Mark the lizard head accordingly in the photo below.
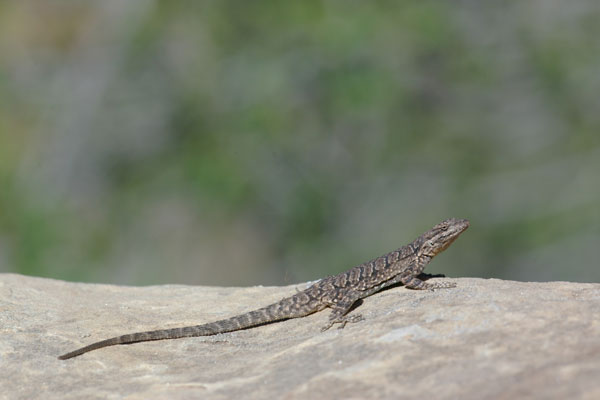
(438, 238)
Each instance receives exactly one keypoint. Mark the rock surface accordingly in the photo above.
(486, 339)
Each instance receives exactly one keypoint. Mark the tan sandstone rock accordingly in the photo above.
(485, 339)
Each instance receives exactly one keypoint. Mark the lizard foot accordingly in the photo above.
(440, 285)
(343, 321)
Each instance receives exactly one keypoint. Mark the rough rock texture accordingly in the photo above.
(486, 339)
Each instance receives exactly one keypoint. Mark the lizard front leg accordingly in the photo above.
(413, 282)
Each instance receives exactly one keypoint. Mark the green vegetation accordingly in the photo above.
(239, 143)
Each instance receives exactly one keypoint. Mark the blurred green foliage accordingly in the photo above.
(264, 142)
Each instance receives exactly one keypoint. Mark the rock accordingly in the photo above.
(485, 339)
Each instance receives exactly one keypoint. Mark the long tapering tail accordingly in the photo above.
(261, 316)
(175, 333)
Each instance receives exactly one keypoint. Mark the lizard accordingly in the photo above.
(338, 292)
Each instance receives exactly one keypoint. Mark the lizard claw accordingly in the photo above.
(343, 321)
(442, 285)
(351, 319)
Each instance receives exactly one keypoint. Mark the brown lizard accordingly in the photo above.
(338, 292)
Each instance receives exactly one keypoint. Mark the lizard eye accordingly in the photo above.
(444, 227)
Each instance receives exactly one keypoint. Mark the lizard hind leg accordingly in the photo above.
(340, 311)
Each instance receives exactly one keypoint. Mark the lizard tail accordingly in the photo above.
(261, 316)
(93, 346)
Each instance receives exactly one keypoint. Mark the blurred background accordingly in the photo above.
(244, 143)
